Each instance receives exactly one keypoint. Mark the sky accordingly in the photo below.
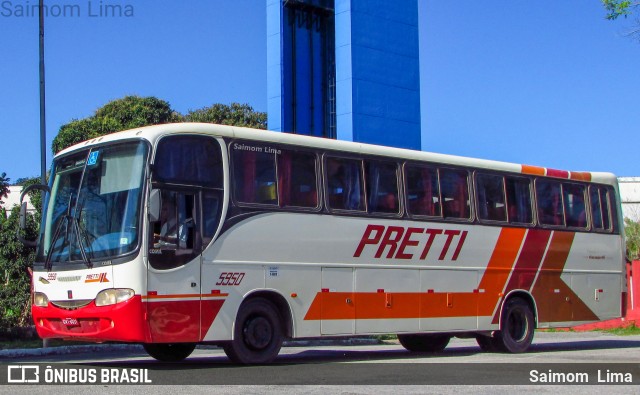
(546, 82)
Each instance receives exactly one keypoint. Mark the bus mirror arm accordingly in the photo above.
(23, 213)
(154, 205)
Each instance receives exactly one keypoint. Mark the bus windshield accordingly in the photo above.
(93, 211)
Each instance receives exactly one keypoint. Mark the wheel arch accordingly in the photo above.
(524, 295)
(280, 303)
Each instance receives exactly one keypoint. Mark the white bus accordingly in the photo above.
(175, 235)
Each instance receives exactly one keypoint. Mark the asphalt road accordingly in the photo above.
(376, 369)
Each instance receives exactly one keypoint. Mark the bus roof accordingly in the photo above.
(154, 132)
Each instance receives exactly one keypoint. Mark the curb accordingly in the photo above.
(137, 348)
(39, 352)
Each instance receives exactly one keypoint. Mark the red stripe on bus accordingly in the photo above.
(528, 264)
(557, 173)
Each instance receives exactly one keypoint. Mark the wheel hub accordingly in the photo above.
(258, 332)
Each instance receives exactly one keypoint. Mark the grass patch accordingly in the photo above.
(387, 337)
(631, 330)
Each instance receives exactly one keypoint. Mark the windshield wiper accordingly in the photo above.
(85, 258)
(81, 235)
(70, 220)
(47, 262)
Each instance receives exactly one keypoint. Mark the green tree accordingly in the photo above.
(4, 186)
(623, 8)
(632, 234)
(617, 8)
(15, 260)
(235, 114)
(121, 114)
(135, 111)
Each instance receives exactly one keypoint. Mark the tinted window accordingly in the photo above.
(297, 183)
(549, 199)
(382, 187)
(574, 205)
(188, 160)
(344, 184)
(519, 200)
(423, 191)
(254, 175)
(455, 193)
(491, 198)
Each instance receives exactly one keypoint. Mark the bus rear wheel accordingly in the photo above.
(516, 327)
(169, 352)
(488, 343)
(424, 342)
(257, 333)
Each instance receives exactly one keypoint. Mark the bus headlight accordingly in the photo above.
(40, 299)
(113, 296)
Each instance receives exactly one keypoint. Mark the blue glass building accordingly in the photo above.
(346, 69)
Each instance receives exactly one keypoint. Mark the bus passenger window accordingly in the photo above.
(600, 209)
(574, 205)
(382, 187)
(549, 199)
(609, 214)
(519, 200)
(297, 182)
(211, 207)
(455, 193)
(344, 184)
(423, 191)
(491, 199)
(254, 175)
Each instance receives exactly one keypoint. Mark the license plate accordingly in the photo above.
(70, 322)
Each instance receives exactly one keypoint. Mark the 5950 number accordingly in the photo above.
(230, 278)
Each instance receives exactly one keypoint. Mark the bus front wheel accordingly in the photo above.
(424, 342)
(257, 333)
(169, 352)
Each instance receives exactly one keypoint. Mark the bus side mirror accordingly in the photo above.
(154, 205)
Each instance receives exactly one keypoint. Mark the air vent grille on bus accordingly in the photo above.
(71, 304)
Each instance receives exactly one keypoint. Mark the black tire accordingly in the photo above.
(488, 343)
(424, 342)
(169, 352)
(517, 326)
(257, 334)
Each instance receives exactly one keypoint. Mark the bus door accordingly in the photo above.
(173, 281)
(187, 185)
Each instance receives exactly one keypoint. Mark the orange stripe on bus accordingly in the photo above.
(533, 170)
(580, 176)
(379, 305)
(499, 268)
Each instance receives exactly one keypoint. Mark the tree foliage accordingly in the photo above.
(618, 8)
(632, 234)
(121, 114)
(235, 114)
(623, 8)
(135, 111)
(4, 186)
(15, 260)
